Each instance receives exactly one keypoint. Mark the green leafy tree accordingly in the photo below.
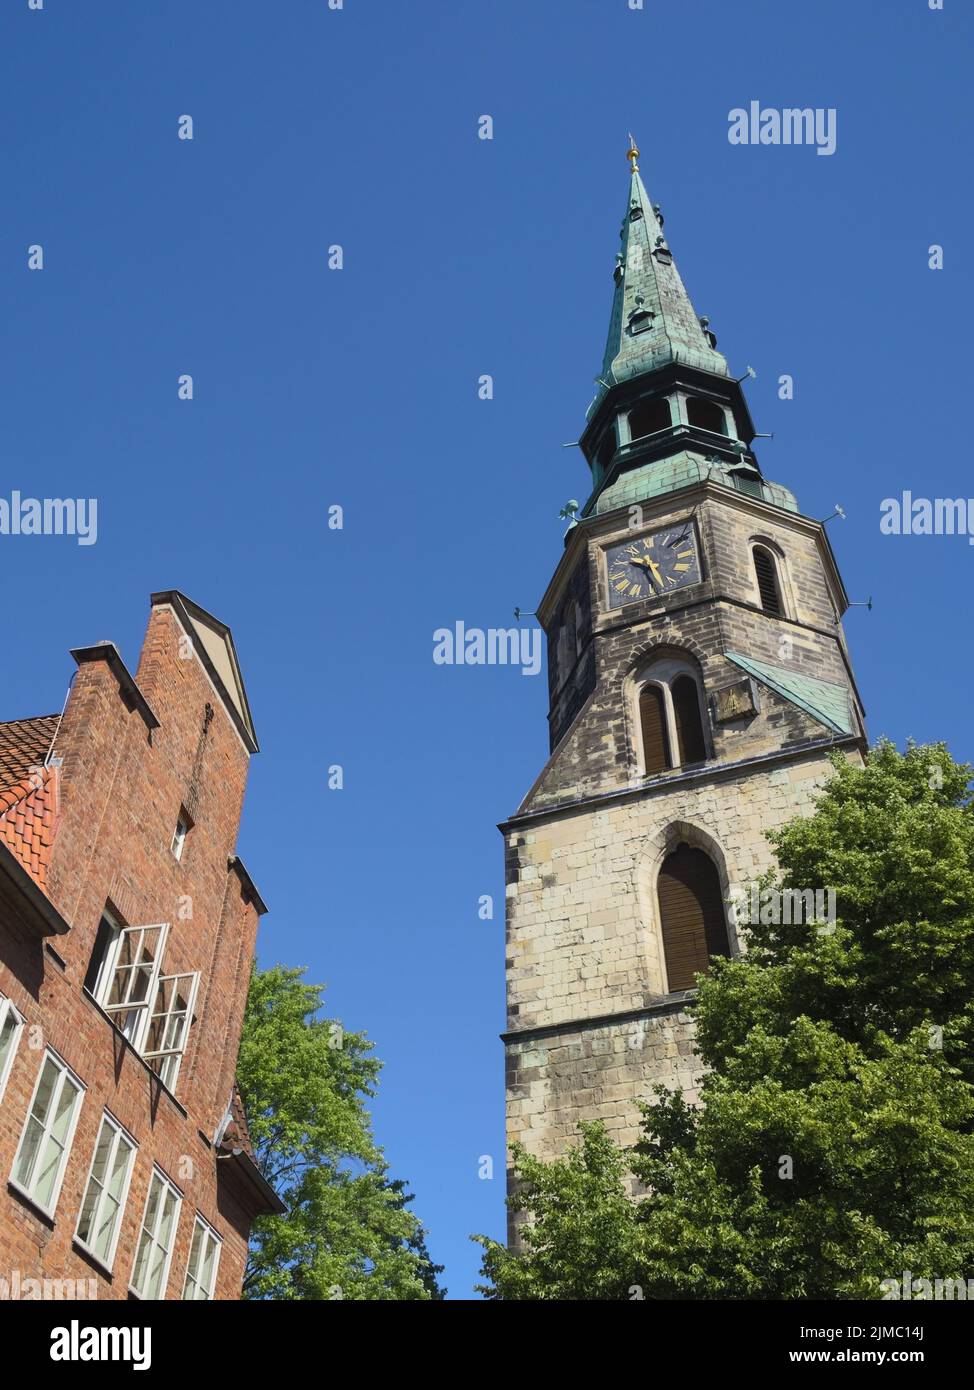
(347, 1232)
(832, 1148)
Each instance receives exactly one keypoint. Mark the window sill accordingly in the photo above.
(681, 771)
(92, 1258)
(46, 1216)
(134, 1294)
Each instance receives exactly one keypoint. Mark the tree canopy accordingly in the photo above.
(833, 1145)
(348, 1232)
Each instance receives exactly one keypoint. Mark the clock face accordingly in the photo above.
(652, 565)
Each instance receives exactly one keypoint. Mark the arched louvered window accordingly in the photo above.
(689, 727)
(652, 718)
(767, 576)
(670, 716)
(692, 918)
(649, 417)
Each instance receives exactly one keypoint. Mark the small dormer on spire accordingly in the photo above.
(653, 321)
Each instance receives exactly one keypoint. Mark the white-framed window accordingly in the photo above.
(128, 977)
(153, 1010)
(42, 1154)
(11, 1027)
(100, 1218)
(172, 1013)
(183, 827)
(150, 1273)
(131, 982)
(204, 1261)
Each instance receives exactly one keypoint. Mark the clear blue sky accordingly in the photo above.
(359, 387)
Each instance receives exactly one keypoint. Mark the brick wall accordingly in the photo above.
(123, 784)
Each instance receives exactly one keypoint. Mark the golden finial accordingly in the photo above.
(633, 154)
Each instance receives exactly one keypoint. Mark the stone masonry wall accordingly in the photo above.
(591, 1021)
(583, 941)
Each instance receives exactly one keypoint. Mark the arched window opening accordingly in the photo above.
(692, 918)
(670, 714)
(652, 719)
(706, 415)
(766, 572)
(689, 726)
(606, 451)
(649, 417)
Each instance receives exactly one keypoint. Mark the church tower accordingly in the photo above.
(698, 679)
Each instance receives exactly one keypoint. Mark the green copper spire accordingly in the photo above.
(653, 321)
(668, 413)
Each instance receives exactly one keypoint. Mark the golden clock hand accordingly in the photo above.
(646, 563)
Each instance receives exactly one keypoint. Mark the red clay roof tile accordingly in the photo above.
(28, 821)
(29, 792)
(24, 743)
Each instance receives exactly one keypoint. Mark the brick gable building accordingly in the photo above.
(127, 931)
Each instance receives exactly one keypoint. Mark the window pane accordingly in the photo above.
(86, 1220)
(139, 982)
(158, 1228)
(190, 1291)
(123, 1152)
(42, 1101)
(102, 1205)
(164, 1234)
(128, 950)
(64, 1110)
(157, 1261)
(206, 1274)
(173, 1036)
(169, 1025)
(194, 1254)
(29, 1150)
(135, 966)
(96, 1182)
(106, 1227)
(152, 1206)
(142, 1262)
(204, 1258)
(99, 1166)
(7, 1030)
(43, 1187)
